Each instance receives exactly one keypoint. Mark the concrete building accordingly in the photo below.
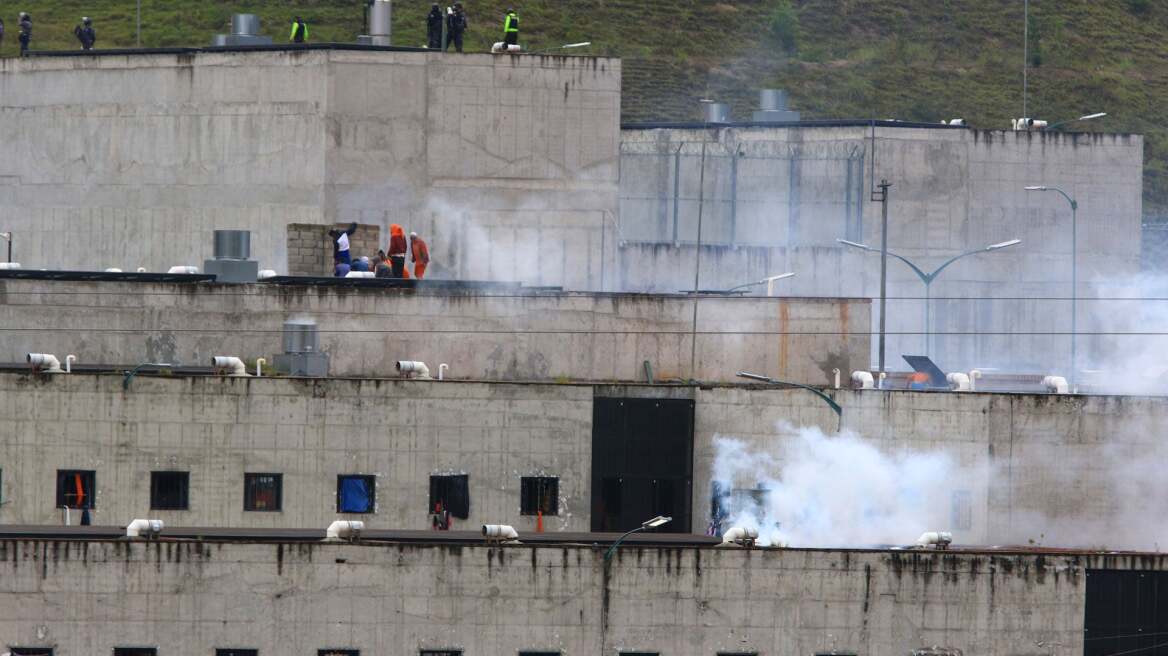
(1069, 470)
(483, 333)
(778, 198)
(391, 594)
(508, 165)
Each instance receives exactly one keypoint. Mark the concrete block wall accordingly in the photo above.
(953, 191)
(188, 598)
(488, 336)
(310, 249)
(507, 165)
(311, 431)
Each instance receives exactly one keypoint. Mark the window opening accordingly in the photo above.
(135, 651)
(356, 493)
(449, 497)
(262, 492)
(539, 494)
(75, 488)
(170, 490)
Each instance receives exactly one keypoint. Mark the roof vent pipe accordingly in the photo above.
(301, 336)
(937, 539)
(245, 24)
(499, 532)
(228, 365)
(144, 528)
(1056, 385)
(741, 536)
(69, 360)
(716, 112)
(344, 530)
(413, 369)
(45, 363)
(232, 245)
(772, 100)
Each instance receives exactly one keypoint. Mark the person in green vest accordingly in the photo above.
(299, 31)
(511, 28)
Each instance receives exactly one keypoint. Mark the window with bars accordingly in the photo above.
(450, 493)
(539, 494)
(170, 490)
(75, 488)
(263, 492)
(338, 652)
(135, 651)
(356, 493)
(237, 652)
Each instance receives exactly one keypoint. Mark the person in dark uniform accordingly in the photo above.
(85, 34)
(456, 24)
(434, 22)
(25, 32)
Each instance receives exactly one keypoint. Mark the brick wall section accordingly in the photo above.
(310, 250)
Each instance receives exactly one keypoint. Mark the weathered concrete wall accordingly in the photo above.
(188, 598)
(1060, 470)
(800, 189)
(522, 336)
(132, 160)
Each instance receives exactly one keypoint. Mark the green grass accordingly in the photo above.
(910, 59)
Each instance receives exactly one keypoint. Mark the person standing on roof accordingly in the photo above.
(511, 28)
(341, 243)
(85, 33)
(299, 31)
(420, 253)
(456, 24)
(397, 250)
(25, 32)
(1, 31)
(434, 21)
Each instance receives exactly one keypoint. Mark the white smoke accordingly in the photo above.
(812, 489)
(1127, 356)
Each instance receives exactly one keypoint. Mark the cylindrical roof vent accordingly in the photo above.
(772, 99)
(380, 18)
(245, 24)
(717, 112)
(232, 244)
(301, 336)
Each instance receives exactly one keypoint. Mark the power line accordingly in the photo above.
(568, 332)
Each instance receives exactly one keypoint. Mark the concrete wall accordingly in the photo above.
(507, 165)
(491, 336)
(800, 189)
(188, 598)
(1058, 470)
(310, 431)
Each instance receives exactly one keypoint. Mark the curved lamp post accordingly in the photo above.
(645, 525)
(1074, 266)
(928, 278)
(1085, 117)
(839, 411)
(769, 282)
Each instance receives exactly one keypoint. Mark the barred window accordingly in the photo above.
(170, 490)
(356, 493)
(75, 488)
(539, 494)
(263, 492)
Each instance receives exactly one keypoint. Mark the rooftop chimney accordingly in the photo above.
(302, 356)
(773, 108)
(715, 112)
(245, 31)
(230, 262)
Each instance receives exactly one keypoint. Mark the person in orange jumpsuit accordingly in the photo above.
(420, 253)
(397, 250)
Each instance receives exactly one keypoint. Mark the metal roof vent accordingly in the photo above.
(715, 112)
(379, 18)
(230, 262)
(302, 356)
(245, 31)
(772, 105)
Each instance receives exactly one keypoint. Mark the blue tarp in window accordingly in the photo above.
(356, 495)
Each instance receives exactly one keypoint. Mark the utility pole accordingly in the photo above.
(139, 37)
(882, 197)
(1025, 51)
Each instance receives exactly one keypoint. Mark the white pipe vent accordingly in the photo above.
(144, 528)
(344, 530)
(45, 363)
(500, 532)
(413, 369)
(228, 365)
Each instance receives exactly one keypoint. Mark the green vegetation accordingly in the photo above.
(923, 60)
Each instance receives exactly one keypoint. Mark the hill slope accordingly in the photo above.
(909, 59)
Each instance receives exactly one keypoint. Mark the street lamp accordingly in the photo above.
(566, 46)
(659, 520)
(1085, 117)
(839, 411)
(1074, 268)
(769, 282)
(928, 278)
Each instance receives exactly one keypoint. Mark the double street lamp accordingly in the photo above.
(1074, 268)
(928, 278)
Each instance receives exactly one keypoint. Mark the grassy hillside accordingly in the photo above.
(908, 59)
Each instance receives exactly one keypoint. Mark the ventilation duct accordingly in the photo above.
(245, 31)
(230, 263)
(379, 15)
(772, 108)
(716, 112)
(302, 356)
